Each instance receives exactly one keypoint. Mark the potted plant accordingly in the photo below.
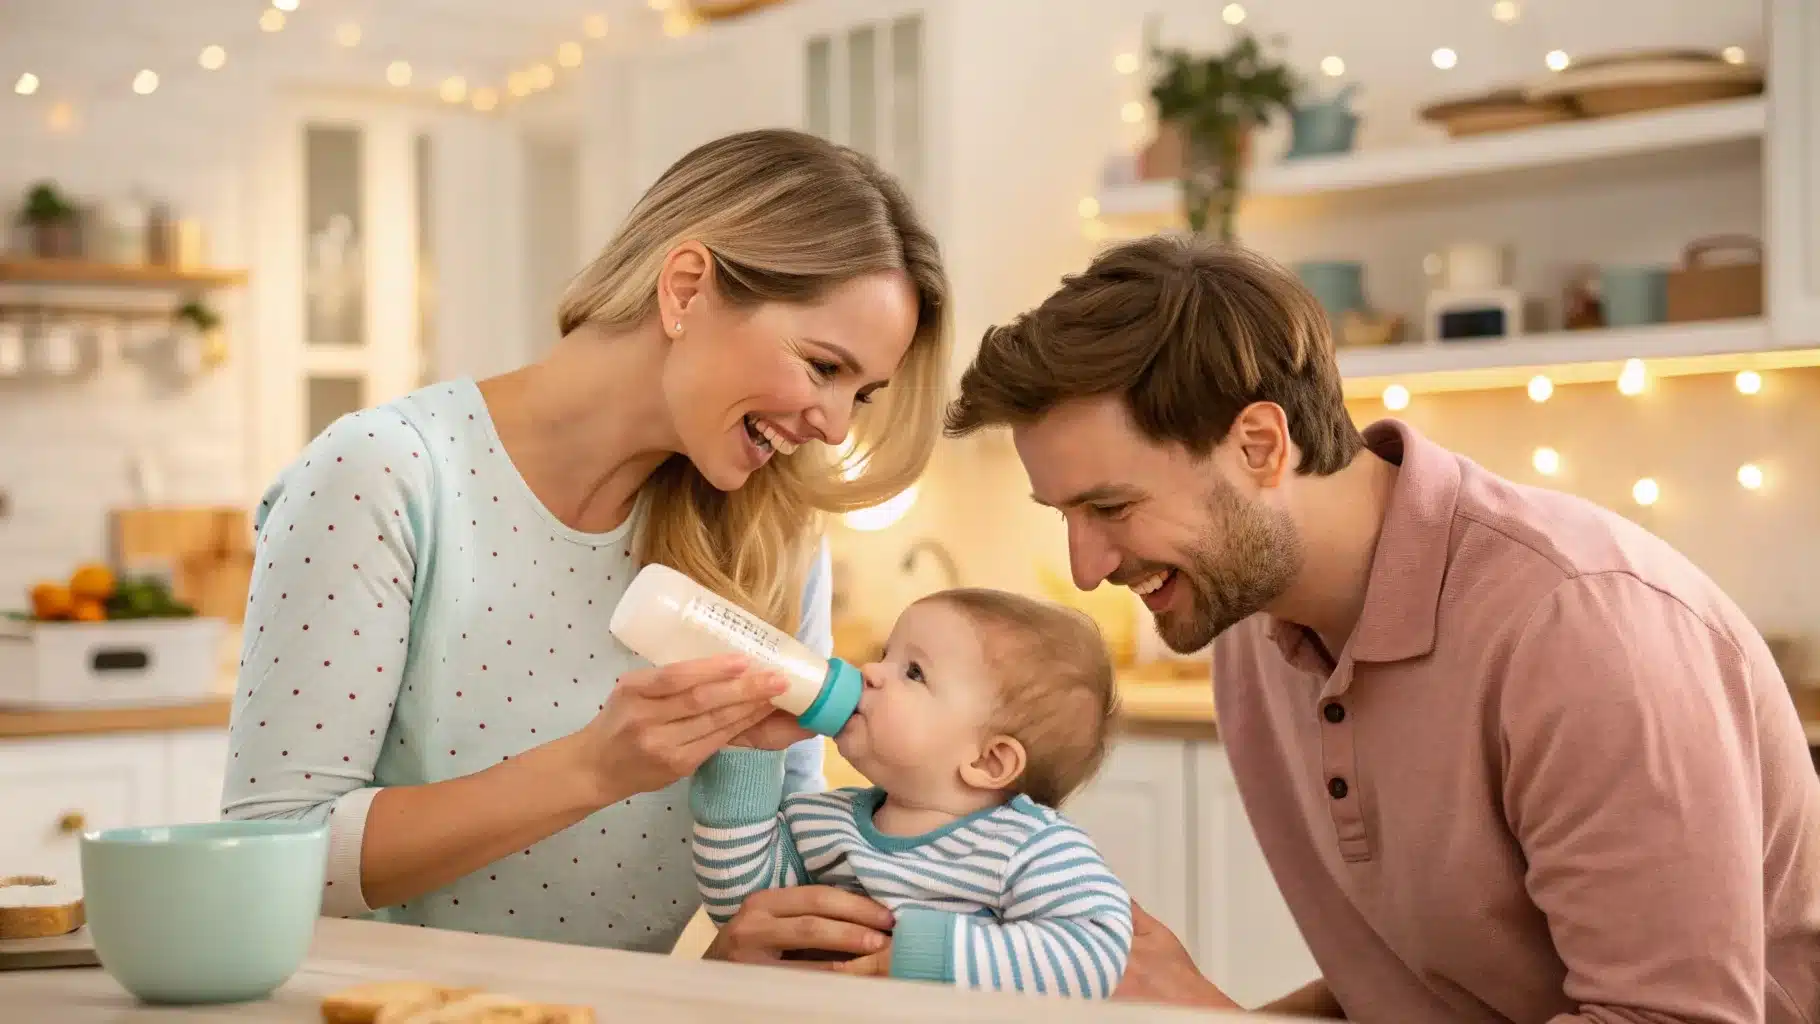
(212, 348)
(1214, 102)
(52, 220)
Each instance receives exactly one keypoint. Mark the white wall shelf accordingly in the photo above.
(1564, 145)
(1568, 357)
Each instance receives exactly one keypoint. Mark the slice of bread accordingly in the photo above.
(36, 907)
(417, 1002)
(382, 1002)
(493, 1008)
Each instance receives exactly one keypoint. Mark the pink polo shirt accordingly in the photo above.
(1554, 775)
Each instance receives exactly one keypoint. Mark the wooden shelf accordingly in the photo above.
(1561, 145)
(83, 272)
(1568, 357)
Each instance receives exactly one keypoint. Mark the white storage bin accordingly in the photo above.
(135, 662)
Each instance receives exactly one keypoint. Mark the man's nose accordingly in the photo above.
(1090, 559)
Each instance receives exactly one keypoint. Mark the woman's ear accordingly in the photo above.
(681, 283)
(1000, 763)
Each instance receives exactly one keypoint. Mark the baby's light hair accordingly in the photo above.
(1057, 695)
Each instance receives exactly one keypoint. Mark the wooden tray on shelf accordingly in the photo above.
(1501, 111)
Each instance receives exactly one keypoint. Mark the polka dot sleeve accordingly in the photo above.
(327, 633)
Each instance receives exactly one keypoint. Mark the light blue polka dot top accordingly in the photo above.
(417, 615)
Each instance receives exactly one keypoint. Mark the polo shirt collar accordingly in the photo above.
(1409, 564)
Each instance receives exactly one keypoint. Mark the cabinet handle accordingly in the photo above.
(71, 822)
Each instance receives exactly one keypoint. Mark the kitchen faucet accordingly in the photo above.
(939, 552)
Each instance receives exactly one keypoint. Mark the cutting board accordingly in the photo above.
(34, 905)
(205, 551)
(77, 949)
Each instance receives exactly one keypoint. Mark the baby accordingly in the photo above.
(986, 710)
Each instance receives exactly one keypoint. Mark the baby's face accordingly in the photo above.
(925, 707)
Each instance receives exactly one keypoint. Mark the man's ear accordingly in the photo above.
(1260, 434)
(681, 283)
(1001, 761)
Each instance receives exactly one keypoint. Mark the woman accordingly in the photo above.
(426, 661)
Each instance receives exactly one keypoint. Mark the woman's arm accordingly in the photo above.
(657, 726)
(328, 631)
(327, 635)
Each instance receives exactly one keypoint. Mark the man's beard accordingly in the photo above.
(1248, 558)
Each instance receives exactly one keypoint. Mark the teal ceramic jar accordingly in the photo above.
(1339, 285)
(1324, 127)
(1634, 296)
(212, 912)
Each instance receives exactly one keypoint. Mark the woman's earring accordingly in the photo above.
(679, 326)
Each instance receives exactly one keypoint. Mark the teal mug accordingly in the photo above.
(1634, 296)
(1338, 285)
(213, 912)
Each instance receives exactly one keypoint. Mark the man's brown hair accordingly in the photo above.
(1189, 331)
(1057, 695)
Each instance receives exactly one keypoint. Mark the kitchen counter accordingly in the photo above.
(1149, 706)
(1176, 709)
(206, 713)
(619, 986)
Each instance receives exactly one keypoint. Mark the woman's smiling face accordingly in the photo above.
(746, 383)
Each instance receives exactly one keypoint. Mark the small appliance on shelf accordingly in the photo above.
(1470, 296)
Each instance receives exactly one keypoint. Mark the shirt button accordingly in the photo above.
(1334, 712)
(1336, 788)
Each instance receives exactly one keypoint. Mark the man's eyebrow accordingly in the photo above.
(1103, 492)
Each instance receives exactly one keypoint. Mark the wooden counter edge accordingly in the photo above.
(1192, 729)
(206, 713)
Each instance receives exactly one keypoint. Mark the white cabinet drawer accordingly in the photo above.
(51, 790)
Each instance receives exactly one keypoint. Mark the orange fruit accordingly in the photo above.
(51, 601)
(93, 581)
(89, 611)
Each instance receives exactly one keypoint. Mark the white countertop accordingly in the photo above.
(620, 986)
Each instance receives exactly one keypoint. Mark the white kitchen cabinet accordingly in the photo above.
(1247, 941)
(52, 789)
(195, 769)
(1165, 813)
(1137, 811)
(1793, 171)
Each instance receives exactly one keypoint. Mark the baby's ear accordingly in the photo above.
(1001, 761)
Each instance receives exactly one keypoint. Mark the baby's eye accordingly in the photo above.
(914, 673)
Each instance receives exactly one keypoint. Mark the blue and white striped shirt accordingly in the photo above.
(1013, 897)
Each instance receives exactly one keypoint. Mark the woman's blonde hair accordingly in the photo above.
(786, 217)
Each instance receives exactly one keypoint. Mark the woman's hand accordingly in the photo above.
(776, 731)
(773, 922)
(660, 724)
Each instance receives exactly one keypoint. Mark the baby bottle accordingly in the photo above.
(666, 617)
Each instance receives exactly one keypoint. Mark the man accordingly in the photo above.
(1509, 756)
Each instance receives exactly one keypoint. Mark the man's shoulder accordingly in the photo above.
(1515, 547)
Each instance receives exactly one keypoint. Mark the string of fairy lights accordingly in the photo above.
(678, 18)
(1633, 380)
(1135, 111)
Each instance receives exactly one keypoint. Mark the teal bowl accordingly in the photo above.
(213, 912)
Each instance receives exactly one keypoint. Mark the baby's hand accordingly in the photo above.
(876, 965)
(776, 732)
